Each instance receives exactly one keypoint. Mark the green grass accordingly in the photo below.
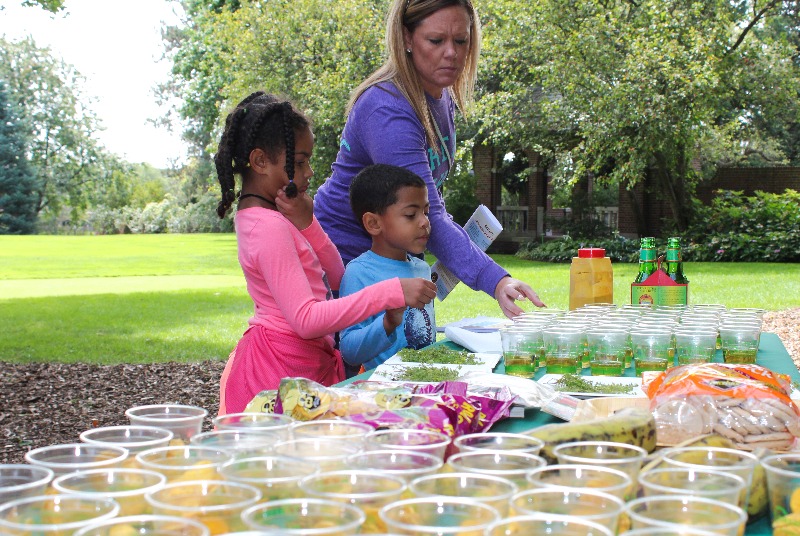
(150, 298)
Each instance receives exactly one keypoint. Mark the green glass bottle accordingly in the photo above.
(674, 262)
(647, 259)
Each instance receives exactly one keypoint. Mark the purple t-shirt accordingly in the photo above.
(382, 128)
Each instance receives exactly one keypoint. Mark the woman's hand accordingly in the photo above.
(509, 290)
(298, 210)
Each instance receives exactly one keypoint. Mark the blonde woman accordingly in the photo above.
(404, 114)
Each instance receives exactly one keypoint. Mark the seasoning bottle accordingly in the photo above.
(591, 279)
(647, 258)
(674, 262)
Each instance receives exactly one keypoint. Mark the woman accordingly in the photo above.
(404, 114)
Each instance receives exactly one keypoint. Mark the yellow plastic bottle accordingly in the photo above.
(591, 279)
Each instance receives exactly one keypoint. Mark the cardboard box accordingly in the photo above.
(659, 289)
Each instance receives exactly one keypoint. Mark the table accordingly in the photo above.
(771, 354)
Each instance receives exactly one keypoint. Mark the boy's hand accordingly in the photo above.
(417, 291)
(298, 210)
(393, 318)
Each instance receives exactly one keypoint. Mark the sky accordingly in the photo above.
(116, 45)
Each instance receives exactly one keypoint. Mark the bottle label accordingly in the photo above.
(647, 255)
(673, 255)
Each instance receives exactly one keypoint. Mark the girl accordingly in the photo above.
(289, 263)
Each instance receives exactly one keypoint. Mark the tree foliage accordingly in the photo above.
(61, 146)
(312, 52)
(655, 89)
(17, 181)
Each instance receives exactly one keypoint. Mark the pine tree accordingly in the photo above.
(17, 180)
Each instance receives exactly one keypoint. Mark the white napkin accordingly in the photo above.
(475, 342)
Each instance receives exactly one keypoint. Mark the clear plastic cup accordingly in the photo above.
(626, 458)
(68, 457)
(695, 346)
(126, 486)
(609, 348)
(370, 491)
(239, 443)
(735, 461)
(54, 515)
(587, 504)
(181, 463)
(329, 454)
(513, 466)
(216, 504)
(427, 441)
(304, 517)
(520, 350)
(20, 480)
(671, 511)
(182, 420)
(406, 464)
(133, 438)
(739, 342)
(605, 479)
(783, 484)
(652, 349)
(549, 524)
(491, 490)
(564, 349)
(145, 525)
(665, 531)
(276, 423)
(330, 428)
(498, 441)
(277, 477)
(687, 481)
(439, 515)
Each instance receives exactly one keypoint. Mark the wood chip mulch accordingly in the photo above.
(47, 403)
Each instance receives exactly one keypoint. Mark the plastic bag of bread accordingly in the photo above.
(749, 404)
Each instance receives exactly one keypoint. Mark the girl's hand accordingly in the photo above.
(298, 210)
(508, 290)
(417, 291)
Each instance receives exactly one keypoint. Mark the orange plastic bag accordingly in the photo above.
(749, 404)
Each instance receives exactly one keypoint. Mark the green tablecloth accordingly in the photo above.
(771, 354)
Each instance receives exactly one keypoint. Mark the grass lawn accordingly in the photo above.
(147, 298)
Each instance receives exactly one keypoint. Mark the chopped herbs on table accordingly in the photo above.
(576, 384)
(438, 354)
(426, 373)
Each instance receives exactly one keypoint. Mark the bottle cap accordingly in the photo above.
(591, 253)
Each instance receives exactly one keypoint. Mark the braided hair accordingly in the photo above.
(260, 121)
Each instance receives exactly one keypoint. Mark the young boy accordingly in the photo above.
(392, 205)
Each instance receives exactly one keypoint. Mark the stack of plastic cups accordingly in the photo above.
(740, 334)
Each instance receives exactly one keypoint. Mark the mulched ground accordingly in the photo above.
(47, 403)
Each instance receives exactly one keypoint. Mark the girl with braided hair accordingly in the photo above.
(290, 265)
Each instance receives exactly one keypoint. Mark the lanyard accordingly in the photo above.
(446, 152)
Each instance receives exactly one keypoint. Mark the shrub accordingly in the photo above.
(618, 248)
(764, 227)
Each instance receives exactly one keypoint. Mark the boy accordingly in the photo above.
(392, 205)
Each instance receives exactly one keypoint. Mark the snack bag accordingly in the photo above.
(263, 402)
(748, 404)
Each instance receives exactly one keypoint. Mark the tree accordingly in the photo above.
(17, 181)
(312, 52)
(61, 145)
(655, 91)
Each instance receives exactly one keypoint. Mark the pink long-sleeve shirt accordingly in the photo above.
(290, 275)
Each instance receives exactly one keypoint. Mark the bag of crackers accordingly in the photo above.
(749, 404)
